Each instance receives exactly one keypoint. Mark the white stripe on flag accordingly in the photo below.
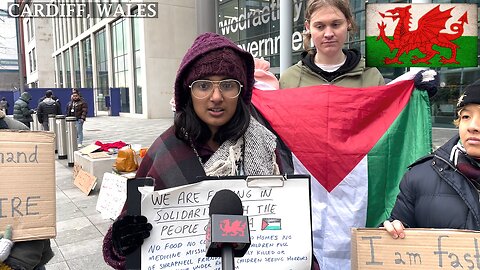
(335, 213)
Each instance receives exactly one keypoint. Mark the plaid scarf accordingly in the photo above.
(252, 154)
(465, 164)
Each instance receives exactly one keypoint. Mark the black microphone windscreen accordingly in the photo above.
(225, 202)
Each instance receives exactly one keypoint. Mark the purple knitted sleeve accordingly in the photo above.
(110, 256)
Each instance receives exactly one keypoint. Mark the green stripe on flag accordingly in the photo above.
(377, 50)
(407, 139)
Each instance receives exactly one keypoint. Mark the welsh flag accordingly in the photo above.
(356, 143)
(421, 35)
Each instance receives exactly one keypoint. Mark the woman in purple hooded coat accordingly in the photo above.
(213, 134)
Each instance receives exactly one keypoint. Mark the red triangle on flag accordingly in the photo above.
(264, 224)
(331, 128)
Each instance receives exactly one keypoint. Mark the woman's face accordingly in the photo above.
(469, 129)
(329, 29)
(215, 110)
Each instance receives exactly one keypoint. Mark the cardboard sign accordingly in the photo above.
(85, 181)
(76, 169)
(96, 155)
(420, 249)
(89, 149)
(279, 221)
(112, 196)
(27, 185)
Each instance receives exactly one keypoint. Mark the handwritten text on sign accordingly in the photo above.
(421, 249)
(280, 228)
(112, 196)
(27, 186)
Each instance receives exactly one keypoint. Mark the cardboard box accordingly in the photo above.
(420, 249)
(97, 167)
(27, 185)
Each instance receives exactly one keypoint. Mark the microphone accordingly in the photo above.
(228, 234)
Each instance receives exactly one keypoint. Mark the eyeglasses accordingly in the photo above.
(204, 88)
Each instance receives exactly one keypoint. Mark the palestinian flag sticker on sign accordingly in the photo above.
(423, 35)
(271, 224)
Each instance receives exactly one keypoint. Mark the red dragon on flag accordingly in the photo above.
(440, 37)
(424, 37)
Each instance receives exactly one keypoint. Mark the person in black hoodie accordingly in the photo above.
(441, 190)
(47, 106)
(4, 105)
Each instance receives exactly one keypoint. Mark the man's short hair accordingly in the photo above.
(48, 93)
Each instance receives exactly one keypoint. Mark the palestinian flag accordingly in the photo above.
(356, 143)
(421, 35)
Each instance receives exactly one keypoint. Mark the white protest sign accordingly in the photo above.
(112, 196)
(279, 220)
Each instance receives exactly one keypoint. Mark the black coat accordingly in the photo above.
(46, 107)
(21, 110)
(79, 109)
(434, 194)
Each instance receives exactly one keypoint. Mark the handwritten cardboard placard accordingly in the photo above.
(27, 184)
(112, 196)
(97, 155)
(85, 181)
(279, 221)
(76, 169)
(89, 149)
(421, 249)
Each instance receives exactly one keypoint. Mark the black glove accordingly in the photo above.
(128, 233)
(427, 80)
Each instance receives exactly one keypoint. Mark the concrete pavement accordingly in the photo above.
(80, 228)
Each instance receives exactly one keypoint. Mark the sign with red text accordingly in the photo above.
(421, 249)
(278, 217)
(27, 184)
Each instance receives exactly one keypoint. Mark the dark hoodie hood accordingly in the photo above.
(353, 58)
(26, 96)
(48, 101)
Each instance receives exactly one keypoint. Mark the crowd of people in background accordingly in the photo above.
(48, 106)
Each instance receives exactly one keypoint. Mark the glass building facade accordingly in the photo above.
(255, 26)
(120, 62)
(137, 51)
(102, 67)
(132, 55)
(100, 58)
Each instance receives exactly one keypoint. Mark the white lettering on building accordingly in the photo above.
(256, 18)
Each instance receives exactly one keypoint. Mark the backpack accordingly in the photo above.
(126, 160)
